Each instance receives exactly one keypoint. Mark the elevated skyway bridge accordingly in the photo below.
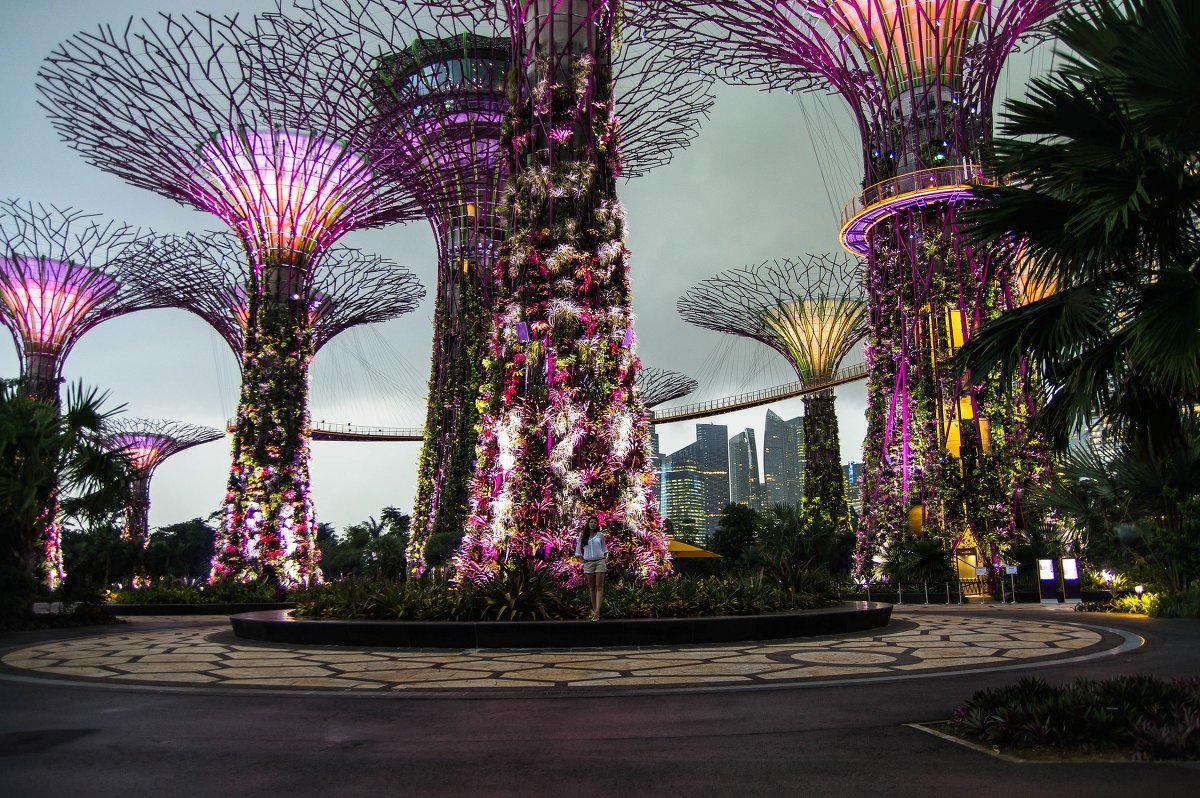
(667, 415)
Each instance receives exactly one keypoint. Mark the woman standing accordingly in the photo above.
(591, 548)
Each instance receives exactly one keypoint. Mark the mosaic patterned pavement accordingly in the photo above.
(209, 655)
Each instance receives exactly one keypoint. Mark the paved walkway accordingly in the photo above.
(204, 653)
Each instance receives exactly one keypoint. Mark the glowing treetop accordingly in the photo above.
(810, 310)
(62, 272)
(146, 443)
(207, 274)
(181, 105)
(919, 75)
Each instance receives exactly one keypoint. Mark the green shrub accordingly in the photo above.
(527, 593)
(1157, 718)
(232, 593)
(1185, 604)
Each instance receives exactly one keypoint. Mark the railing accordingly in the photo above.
(919, 182)
(353, 432)
(347, 432)
(728, 404)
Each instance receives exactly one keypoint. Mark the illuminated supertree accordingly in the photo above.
(656, 386)
(441, 91)
(813, 312)
(62, 272)
(562, 432)
(948, 456)
(146, 443)
(184, 106)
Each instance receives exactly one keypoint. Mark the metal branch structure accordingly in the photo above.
(563, 434)
(146, 443)
(811, 310)
(62, 272)
(658, 386)
(185, 106)
(438, 78)
(944, 456)
(206, 274)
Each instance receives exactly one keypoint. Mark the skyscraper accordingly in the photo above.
(712, 443)
(744, 486)
(783, 464)
(657, 463)
(854, 485)
(683, 493)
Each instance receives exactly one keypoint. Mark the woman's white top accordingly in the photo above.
(595, 548)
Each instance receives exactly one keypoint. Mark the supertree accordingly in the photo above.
(439, 80)
(183, 106)
(812, 311)
(146, 443)
(562, 432)
(947, 455)
(656, 386)
(62, 272)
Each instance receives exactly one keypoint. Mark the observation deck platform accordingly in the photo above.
(915, 189)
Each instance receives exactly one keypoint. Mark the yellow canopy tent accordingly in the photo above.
(682, 551)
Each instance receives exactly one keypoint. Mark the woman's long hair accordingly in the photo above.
(587, 532)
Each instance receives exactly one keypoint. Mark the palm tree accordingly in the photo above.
(1105, 156)
(43, 455)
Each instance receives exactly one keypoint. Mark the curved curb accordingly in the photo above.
(197, 609)
(279, 627)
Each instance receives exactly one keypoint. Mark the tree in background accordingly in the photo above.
(370, 548)
(735, 533)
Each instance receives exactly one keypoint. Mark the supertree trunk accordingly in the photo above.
(448, 453)
(137, 515)
(824, 483)
(563, 435)
(269, 531)
(942, 456)
(41, 382)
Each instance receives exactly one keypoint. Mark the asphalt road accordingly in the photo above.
(59, 739)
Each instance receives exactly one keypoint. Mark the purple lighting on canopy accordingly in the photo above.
(286, 193)
(48, 299)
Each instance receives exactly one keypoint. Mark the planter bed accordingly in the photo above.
(278, 626)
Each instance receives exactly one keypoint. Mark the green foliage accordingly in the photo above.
(44, 454)
(181, 551)
(1105, 193)
(917, 560)
(525, 593)
(221, 593)
(441, 548)
(1158, 719)
(96, 557)
(735, 532)
(371, 548)
(804, 547)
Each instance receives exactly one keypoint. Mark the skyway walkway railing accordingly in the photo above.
(668, 415)
(728, 404)
(352, 432)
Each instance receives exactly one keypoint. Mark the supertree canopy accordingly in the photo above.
(441, 91)
(562, 434)
(946, 455)
(185, 106)
(812, 311)
(62, 272)
(207, 274)
(146, 443)
(656, 386)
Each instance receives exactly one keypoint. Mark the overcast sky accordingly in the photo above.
(766, 178)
